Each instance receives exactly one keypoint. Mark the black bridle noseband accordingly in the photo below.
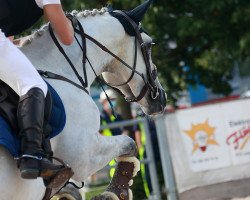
(149, 83)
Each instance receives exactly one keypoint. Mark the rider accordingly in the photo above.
(19, 73)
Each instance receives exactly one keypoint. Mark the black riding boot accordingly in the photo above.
(30, 115)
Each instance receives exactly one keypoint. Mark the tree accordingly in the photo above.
(207, 36)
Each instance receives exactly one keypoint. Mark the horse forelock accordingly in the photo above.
(79, 14)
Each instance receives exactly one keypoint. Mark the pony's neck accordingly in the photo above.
(45, 56)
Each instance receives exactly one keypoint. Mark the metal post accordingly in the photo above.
(156, 194)
(167, 166)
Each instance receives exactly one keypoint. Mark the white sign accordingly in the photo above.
(237, 117)
(203, 132)
(210, 144)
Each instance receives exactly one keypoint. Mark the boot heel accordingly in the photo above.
(29, 173)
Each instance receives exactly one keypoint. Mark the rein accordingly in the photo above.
(133, 69)
(84, 82)
(149, 84)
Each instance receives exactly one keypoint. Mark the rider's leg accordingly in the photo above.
(30, 118)
(18, 72)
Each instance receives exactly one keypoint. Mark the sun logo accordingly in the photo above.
(202, 135)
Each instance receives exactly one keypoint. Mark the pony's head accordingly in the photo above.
(132, 71)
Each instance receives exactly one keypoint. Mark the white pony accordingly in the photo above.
(80, 144)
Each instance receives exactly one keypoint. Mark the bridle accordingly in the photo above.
(149, 81)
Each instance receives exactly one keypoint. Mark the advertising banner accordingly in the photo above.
(210, 144)
(237, 119)
(203, 132)
(217, 135)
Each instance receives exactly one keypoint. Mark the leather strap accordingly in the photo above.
(51, 75)
(47, 194)
(60, 48)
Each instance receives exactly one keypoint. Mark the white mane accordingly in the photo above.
(86, 13)
(79, 14)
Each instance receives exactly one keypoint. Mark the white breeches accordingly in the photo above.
(16, 70)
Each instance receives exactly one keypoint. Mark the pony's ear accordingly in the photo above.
(137, 13)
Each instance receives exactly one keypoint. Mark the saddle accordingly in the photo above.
(54, 117)
(54, 122)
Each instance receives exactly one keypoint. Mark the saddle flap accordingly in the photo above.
(8, 105)
(54, 122)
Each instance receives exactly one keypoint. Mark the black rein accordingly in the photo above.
(149, 84)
